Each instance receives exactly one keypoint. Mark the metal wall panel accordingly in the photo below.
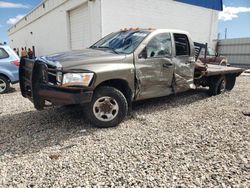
(236, 50)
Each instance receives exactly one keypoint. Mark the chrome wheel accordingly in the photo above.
(105, 109)
(3, 85)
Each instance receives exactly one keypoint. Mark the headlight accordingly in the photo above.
(77, 79)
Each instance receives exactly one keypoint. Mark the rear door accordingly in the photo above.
(154, 67)
(184, 60)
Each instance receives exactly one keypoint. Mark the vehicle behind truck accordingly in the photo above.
(209, 56)
(125, 66)
(9, 65)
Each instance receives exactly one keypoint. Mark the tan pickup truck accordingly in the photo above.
(125, 66)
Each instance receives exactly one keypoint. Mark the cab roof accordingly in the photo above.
(156, 30)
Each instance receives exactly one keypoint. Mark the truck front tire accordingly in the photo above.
(108, 107)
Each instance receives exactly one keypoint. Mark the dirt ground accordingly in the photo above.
(184, 140)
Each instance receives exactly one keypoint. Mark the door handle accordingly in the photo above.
(166, 65)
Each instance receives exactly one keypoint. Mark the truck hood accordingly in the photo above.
(81, 57)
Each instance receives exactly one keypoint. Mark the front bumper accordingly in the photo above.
(36, 86)
(63, 96)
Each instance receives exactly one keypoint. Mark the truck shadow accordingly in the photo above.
(171, 101)
(30, 132)
(12, 90)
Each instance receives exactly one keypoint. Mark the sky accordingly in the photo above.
(11, 11)
(235, 17)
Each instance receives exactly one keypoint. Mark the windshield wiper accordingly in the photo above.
(106, 47)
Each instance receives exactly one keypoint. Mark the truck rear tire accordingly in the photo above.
(108, 107)
(217, 85)
(231, 79)
(4, 85)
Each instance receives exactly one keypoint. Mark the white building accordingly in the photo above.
(62, 25)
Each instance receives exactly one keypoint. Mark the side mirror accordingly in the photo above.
(143, 54)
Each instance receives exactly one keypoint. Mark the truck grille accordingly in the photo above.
(49, 74)
(52, 77)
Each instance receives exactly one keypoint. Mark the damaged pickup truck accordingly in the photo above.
(125, 66)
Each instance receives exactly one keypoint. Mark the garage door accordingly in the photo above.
(79, 27)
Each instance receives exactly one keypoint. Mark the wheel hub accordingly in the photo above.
(223, 85)
(105, 108)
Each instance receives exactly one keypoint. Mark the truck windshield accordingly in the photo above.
(122, 42)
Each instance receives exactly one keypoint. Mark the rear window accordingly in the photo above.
(3, 54)
(181, 45)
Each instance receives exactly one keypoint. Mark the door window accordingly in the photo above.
(160, 46)
(3, 54)
(202, 53)
(181, 45)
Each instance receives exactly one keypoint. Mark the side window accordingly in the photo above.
(202, 53)
(159, 46)
(210, 52)
(181, 45)
(3, 54)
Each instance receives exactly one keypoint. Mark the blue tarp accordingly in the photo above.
(212, 4)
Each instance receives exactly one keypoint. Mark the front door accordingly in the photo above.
(184, 63)
(154, 68)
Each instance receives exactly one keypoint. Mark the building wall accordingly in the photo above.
(237, 51)
(200, 22)
(50, 27)
(47, 28)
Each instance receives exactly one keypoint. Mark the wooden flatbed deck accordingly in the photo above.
(213, 70)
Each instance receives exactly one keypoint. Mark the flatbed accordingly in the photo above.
(213, 70)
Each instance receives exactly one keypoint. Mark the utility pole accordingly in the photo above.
(218, 36)
(225, 33)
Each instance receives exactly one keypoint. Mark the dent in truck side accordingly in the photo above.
(184, 61)
(160, 67)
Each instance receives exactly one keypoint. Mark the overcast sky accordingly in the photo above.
(235, 16)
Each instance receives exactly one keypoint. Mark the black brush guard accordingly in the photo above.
(38, 84)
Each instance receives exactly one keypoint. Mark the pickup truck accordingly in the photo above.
(209, 56)
(125, 66)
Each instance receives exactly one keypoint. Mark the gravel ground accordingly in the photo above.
(187, 140)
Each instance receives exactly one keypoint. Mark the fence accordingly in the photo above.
(237, 51)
